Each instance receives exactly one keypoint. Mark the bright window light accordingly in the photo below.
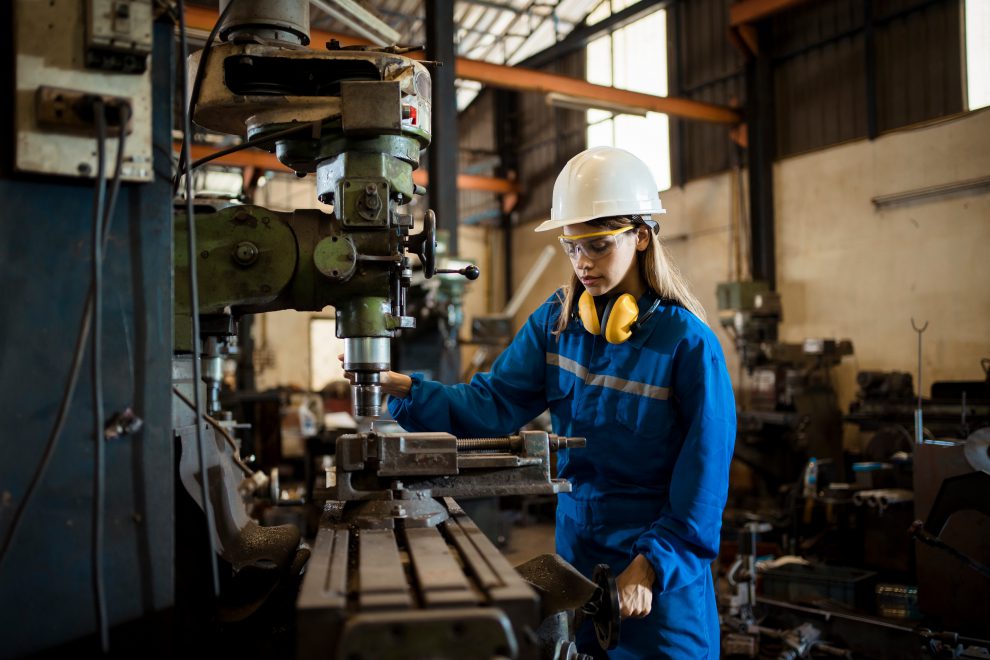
(977, 53)
(635, 58)
(324, 347)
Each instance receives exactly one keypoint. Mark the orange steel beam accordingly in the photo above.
(263, 160)
(528, 80)
(245, 158)
(203, 18)
(751, 11)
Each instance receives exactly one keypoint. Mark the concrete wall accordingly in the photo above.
(845, 269)
(848, 269)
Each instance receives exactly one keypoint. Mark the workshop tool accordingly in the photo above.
(397, 568)
(358, 120)
(395, 554)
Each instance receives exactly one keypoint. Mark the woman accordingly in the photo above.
(623, 357)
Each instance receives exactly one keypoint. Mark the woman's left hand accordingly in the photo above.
(635, 585)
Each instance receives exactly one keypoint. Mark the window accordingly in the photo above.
(324, 347)
(635, 58)
(977, 54)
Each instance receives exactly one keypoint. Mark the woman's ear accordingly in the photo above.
(642, 237)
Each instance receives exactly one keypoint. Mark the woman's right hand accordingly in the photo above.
(393, 383)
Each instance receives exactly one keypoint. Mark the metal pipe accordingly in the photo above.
(532, 277)
(360, 20)
(970, 185)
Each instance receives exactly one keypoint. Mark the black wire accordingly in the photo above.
(197, 85)
(96, 359)
(253, 142)
(125, 116)
(75, 367)
(194, 305)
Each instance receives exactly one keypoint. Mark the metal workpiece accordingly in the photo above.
(280, 21)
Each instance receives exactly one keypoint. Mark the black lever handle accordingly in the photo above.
(471, 272)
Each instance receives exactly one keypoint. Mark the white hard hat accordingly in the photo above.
(602, 182)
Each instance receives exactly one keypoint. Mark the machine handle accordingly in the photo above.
(424, 244)
(471, 272)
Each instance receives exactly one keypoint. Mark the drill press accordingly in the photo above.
(363, 118)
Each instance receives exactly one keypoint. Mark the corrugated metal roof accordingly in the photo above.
(498, 31)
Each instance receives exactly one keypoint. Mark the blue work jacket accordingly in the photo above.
(659, 416)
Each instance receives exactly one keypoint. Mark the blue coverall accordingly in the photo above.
(659, 417)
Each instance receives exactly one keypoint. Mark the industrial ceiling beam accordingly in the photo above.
(526, 80)
(262, 160)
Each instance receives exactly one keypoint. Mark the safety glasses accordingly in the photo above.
(593, 246)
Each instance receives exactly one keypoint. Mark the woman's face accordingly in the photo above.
(604, 262)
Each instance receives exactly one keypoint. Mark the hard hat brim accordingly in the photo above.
(547, 225)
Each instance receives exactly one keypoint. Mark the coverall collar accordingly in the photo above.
(643, 333)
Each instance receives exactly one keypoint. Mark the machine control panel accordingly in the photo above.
(68, 54)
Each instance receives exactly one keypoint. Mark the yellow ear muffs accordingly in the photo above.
(588, 314)
(619, 316)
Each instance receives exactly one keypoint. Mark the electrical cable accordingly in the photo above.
(197, 85)
(79, 351)
(221, 430)
(96, 358)
(194, 305)
(101, 225)
(125, 116)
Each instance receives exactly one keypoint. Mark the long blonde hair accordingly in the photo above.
(655, 267)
